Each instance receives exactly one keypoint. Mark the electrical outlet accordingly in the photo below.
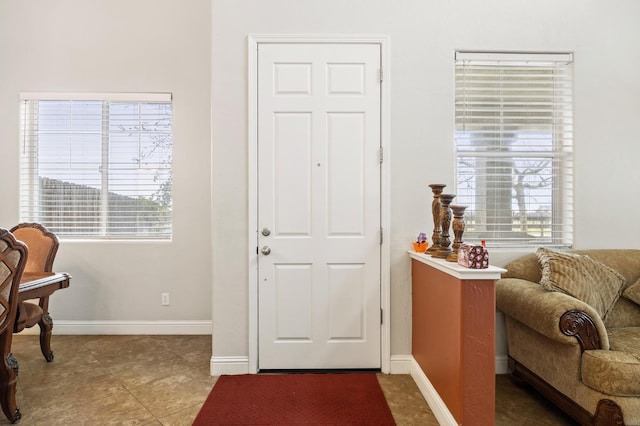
(165, 299)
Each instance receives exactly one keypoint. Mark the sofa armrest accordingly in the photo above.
(543, 310)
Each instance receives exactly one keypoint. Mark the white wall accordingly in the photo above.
(424, 36)
(120, 46)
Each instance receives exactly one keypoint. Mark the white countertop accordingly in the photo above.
(459, 271)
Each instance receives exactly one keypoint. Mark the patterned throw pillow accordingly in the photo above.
(633, 292)
(577, 275)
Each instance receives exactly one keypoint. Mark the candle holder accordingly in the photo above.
(436, 188)
(458, 229)
(445, 222)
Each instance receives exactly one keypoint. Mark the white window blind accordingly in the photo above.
(514, 147)
(97, 165)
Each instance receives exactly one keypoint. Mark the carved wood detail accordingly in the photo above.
(581, 326)
(608, 413)
(13, 363)
(13, 258)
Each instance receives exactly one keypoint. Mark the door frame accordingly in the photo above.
(385, 252)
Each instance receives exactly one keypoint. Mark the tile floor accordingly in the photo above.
(163, 380)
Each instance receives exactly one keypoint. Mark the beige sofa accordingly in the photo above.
(573, 330)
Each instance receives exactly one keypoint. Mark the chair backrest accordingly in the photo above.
(13, 257)
(43, 246)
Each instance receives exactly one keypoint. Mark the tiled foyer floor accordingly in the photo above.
(163, 380)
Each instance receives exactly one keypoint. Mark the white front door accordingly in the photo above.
(319, 206)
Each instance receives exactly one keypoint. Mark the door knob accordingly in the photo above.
(266, 232)
(265, 250)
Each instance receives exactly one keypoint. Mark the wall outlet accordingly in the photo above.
(165, 299)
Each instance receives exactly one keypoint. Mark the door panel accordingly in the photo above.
(346, 197)
(293, 302)
(292, 183)
(319, 195)
(347, 306)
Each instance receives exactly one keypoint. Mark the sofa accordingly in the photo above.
(573, 330)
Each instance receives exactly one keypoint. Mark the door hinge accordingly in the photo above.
(381, 74)
(381, 155)
(381, 236)
(381, 316)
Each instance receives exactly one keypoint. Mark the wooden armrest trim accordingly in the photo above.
(582, 327)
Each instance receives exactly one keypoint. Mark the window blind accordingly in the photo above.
(514, 147)
(97, 165)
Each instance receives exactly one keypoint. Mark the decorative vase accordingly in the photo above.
(436, 188)
(420, 247)
(458, 230)
(444, 248)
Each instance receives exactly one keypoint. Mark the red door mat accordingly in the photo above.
(296, 399)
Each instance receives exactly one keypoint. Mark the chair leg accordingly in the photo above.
(46, 325)
(8, 381)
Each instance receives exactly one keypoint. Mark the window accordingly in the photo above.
(513, 144)
(97, 165)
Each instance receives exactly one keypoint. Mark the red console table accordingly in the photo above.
(453, 337)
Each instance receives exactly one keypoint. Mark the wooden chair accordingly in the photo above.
(13, 257)
(43, 246)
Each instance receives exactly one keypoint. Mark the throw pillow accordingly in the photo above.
(579, 276)
(633, 292)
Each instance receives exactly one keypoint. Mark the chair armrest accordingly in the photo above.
(543, 310)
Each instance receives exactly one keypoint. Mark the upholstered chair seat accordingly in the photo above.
(29, 314)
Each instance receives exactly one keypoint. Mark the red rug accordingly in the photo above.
(296, 399)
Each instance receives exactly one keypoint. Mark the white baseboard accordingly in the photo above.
(127, 327)
(400, 364)
(231, 365)
(437, 405)
(502, 364)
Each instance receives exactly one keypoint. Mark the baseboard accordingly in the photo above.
(437, 405)
(400, 364)
(127, 327)
(220, 365)
(502, 364)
